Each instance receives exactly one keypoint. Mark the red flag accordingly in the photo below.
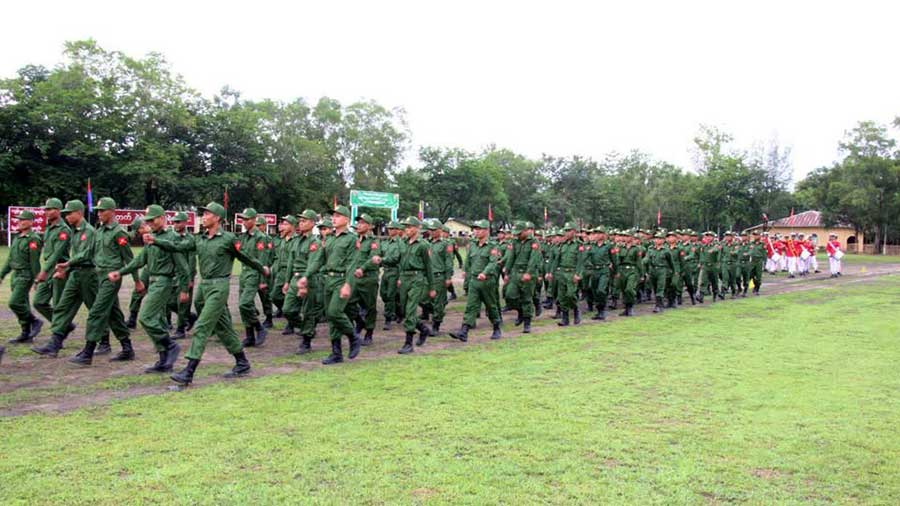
(334, 202)
(545, 215)
(225, 199)
(490, 213)
(658, 216)
(421, 210)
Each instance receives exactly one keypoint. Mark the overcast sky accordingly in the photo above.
(545, 77)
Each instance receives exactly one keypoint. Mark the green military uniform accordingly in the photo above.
(24, 261)
(758, 255)
(166, 261)
(441, 272)
(56, 250)
(710, 264)
(215, 256)
(416, 280)
(134, 304)
(524, 261)
(601, 257)
(730, 267)
(365, 290)
(268, 258)
(337, 271)
(81, 282)
(390, 275)
(661, 268)
(254, 245)
(189, 256)
(304, 258)
(483, 258)
(281, 270)
(111, 252)
(568, 264)
(630, 272)
(690, 261)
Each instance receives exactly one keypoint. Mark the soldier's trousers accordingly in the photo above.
(709, 281)
(729, 277)
(600, 288)
(248, 288)
(105, 313)
(438, 305)
(184, 308)
(134, 305)
(153, 310)
(18, 297)
(265, 298)
(277, 295)
(336, 308)
(567, 289)
(46, 296)
(81, 288)
(689, 276)
(214, 318)
(303, 313)
(389, 293)
(521, 293)
(482, 292)
(745, 275)
(413, 290)
(587, 286)
(628, 282)
(756, 270)
(659, 280)
(364, 298)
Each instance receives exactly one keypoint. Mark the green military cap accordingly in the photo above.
(432, 224)
(671, 232)
(106, 204)
(600, 229)
(26, 215)
(396, 225)
(366, 218)
(728, 233)
(326, 223)
(73, 205)
(290, 219)
(179, 216)
(342, 210)
(154, 211)
(261, 220)
(248, 214)
(529, 225)
(308, 214)
(570, 226)
(445, 228)
(636, 235)
(518, 227)
(659, 235)
(53, 203)
(481, 224)
(136, 224)
(411, 221)
(214, 208)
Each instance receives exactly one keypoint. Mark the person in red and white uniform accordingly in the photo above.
(833, 248)
(770, 253)
(791, 251)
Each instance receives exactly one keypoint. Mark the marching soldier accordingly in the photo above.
(186, 319)
(253, 244)
(569, 270)
(56, 250)
(391, 273)
(481, 270)
(710, 253)
(138, 229)
(631, 271)
(416, 280)
(111, 252)
(304, 260)
(216, 252)
(282, 268)
(758, 257)
(366, 264)
(81, 279)
(268, 258)
(660, 268)
(442, 273)
(165, 258)
(24, 261)
(602, 259)
(524, 267)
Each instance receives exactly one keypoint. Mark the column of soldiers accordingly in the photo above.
(325, 271)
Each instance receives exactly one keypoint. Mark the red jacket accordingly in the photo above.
(832, 247)
(790, 248)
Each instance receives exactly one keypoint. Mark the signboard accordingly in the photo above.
(271, 219)
(12, 215)
(362, 198)
(125, 217)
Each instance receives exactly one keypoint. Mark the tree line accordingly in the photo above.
(143, 135)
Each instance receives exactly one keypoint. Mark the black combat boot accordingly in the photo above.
(387, 323)
(192, 319)
(24, 337)
(2, 351)
(679, 300)
(127, 352)
(305, 345)
(86, 355)
(167, 357)
(249, 337)
(51, 349)
(693, 298)
(35, 327)
(629, 310)
(462, 334)
(367, 340)
(103, 348)
(288, 330)
(558, 313)
(241, 366)
(279, 313)
(132, 320)
(355, 343)
(590, 306)
(519, 319)
(424, 332)
(576, 315)
(337, 356)
(69, 329)
(435, 329)
(564, 319)
(267, 323)
(526, 327)
(186, 376)
(658, 308)
(496, 333)
(180, 332)
(613, 302)
(407, 344)
(538, 308)
(670, 303)
(261, 334)
(548, 303)
(601, 315)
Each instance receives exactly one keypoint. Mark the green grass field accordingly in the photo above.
(783, 399)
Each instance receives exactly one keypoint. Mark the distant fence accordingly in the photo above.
(890, 249)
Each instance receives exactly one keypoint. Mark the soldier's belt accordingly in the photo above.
(161, 276)
(413, 271)
(209, 281)
(628, 266)
(333, 274)
(566, 269)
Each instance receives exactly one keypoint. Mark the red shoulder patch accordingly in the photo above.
(640, 253)
(358, 244)
(494, 252)
(509, 246)
(260, 246)
(614, 251)
(374, 246)
(32, 245)
(84, 237)
(122, 241)
(237, 246)
(429, 251)
(534, 245)
(449, 249)
(271, 245)
(581, 248)
(313, 247)
(63, 236)
(681, 253)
